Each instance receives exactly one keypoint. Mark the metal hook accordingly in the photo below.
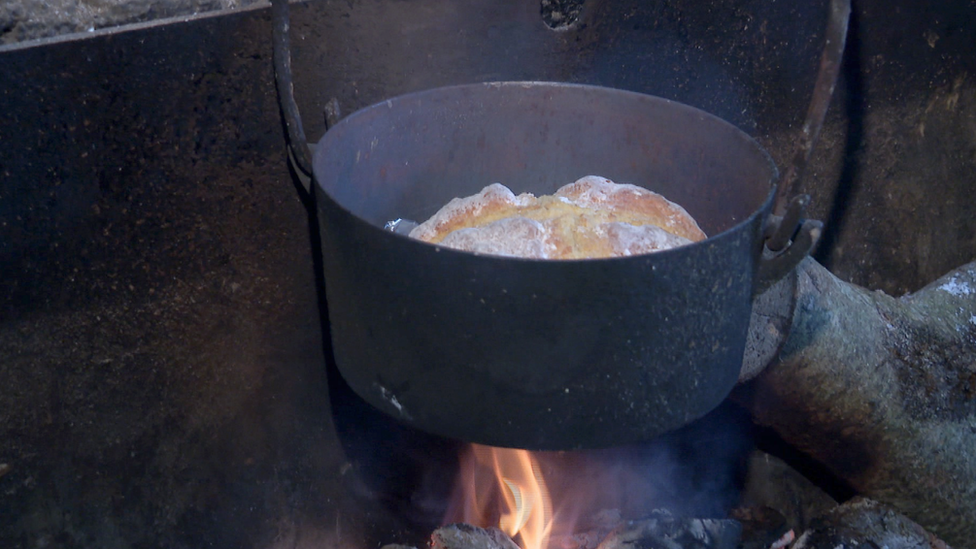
(788, 240)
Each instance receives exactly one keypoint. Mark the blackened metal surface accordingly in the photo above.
(894, 173)
(164, 380)
(154, 158)
(538, 354)
(718, 56)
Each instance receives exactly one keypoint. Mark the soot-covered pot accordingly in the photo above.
(535, 353)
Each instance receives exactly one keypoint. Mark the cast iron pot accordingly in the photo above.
(535, 353)
(532, 353)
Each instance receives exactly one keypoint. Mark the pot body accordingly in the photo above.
(531, 353)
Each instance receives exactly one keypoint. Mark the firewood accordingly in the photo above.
(590, 531)
(772, 484)
(467, 536)
(761, 526)
(865, 523)
(882, 391)
(663, 531)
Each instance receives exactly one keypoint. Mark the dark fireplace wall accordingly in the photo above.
(164, 370)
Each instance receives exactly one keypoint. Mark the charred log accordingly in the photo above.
(591, 532)
(762, 527)
(467, 536)
(664, 531)
(773, 485)
(866, 523)
(882, 391)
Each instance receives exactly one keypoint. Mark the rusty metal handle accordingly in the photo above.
(823, 92)
(299, 153)
(788, 237)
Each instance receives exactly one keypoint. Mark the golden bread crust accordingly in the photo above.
(590, 218)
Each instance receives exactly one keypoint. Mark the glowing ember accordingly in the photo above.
(504, 487)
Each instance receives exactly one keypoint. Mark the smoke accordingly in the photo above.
(697, 471)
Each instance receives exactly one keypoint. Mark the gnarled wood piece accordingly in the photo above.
(883, 392)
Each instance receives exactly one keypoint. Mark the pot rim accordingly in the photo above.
(321, 147)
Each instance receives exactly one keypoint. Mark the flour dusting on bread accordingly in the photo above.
(590, 218)
(453, 215)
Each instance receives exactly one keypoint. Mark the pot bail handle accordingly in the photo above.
(823, 92)
(788, 237)
(299, 152)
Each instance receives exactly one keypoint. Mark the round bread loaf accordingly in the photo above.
(590, 218)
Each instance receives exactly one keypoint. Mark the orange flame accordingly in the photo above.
(504, 487)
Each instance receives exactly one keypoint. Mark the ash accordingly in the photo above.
(659, 531)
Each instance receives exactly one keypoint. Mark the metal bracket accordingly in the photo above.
(788, 239)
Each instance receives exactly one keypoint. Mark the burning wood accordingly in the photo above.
(664, 531)
(863, 522)
(467, 536)
(659, 531)
(777, 498)
(762, 528)
(591, 532)
(784, 541)
(504, 486)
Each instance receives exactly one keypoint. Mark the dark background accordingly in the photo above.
(163, 372)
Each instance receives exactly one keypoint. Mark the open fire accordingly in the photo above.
(568, 500)
(677, 492)
(705, 486)
(504, 487)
